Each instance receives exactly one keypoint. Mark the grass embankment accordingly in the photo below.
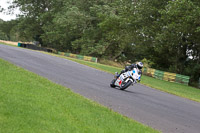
(169, 87)
(32, 104)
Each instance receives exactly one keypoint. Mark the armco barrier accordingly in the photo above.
(172, 77)
(81, 57)
(34, 47)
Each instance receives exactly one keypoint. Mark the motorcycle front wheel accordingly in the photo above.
(126, 85)
(112, 83)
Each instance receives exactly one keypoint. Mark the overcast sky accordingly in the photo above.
(4, 16)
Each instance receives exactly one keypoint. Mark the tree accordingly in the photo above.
(6, 29)
(35, 15)
(179, 35)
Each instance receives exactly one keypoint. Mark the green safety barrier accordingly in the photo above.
(81, 57)
(94, 59)
(150, 72)
(19, 44)
(182, 79)
(144, 70)
(67, 54)
(171, 77)
(159, 74)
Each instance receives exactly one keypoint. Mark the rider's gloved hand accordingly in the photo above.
(127, 68)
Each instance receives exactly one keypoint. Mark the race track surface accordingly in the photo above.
(160, 110)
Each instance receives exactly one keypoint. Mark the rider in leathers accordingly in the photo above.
(138, 65)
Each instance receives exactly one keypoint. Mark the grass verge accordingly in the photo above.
(33, 104)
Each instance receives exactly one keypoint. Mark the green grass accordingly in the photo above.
(169, 87)
(32, 104)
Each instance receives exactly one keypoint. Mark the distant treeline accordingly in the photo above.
(163, 33)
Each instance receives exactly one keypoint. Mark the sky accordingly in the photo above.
(4, 16)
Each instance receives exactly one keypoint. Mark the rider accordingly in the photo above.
(138, 65)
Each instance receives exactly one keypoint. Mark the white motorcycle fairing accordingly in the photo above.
(124, 78)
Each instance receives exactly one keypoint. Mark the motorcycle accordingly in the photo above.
(126, 79)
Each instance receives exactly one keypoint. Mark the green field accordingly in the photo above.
(32, 104)
(169, 87)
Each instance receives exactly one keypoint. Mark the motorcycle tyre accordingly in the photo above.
(126, 85)
(112, 84)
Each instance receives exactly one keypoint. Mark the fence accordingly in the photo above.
(81, 57)
(172, 77)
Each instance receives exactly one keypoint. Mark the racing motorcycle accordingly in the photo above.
(126, 79)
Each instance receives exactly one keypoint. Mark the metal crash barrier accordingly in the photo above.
(34, 47)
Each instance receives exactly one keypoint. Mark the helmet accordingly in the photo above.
(139, 65)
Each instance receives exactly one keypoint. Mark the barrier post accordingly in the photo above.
(19, 44)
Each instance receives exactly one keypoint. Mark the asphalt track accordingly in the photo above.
(162, 111)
